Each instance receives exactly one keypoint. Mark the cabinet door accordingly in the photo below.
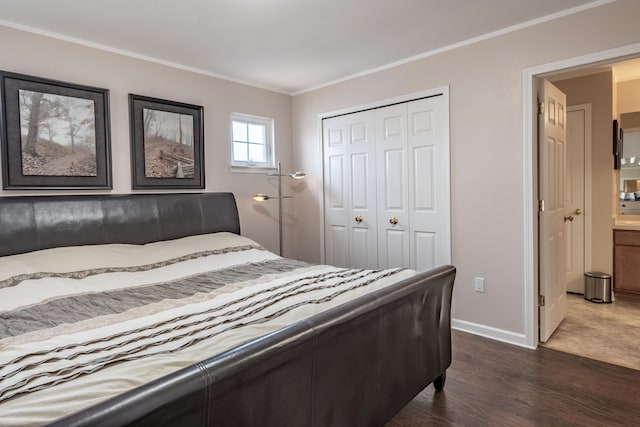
(392, 180)
(627, 268)
(626, 263)
(430, 211)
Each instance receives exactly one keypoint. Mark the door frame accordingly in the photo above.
(530, 169)
(442, 90)
(587, 181)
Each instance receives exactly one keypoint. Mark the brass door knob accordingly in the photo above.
(578, 212)
(393, 220)
(568, 218)
(359, 219)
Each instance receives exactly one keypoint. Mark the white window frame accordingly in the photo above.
(248, 166)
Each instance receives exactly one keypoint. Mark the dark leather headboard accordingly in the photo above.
(41, 222)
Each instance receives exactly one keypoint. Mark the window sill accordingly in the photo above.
(253, 169)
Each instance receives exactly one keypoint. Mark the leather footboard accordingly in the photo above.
(357, 364)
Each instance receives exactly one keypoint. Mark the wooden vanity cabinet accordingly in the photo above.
(626, 264)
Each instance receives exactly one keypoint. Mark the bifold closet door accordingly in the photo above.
(413, 184)
(350, 191)
(429, 183)
(392, 186)
(387, 186)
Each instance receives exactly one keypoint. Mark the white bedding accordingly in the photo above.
(81, 324)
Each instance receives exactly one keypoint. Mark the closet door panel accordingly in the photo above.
(336, 244)
(394, 186)
(336, 183)
(359, 175)
(424, 248)
(362, 192)
(396, 250)
(393, 195)
(424, 179)
(336, 223)
(336, 187)
(360, 244)
(429, 183)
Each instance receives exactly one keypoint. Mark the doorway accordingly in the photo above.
(531, 77)
(606, 332)
(578, 189)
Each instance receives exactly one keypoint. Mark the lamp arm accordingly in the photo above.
(263, 197)
(280, 207)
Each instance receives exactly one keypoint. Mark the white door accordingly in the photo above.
(578, 125)
(430, 212)
(551, 188)
(349, 193)
(413, 184)
(362, 218)
(387, 185)
(392, 183)
(336, 187)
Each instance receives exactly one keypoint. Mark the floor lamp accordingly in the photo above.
(262, 197)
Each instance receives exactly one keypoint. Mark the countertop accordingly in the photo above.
(626, 222)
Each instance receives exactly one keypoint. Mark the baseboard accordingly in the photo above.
(490, 332)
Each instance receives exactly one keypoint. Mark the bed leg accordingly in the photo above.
(438, 383)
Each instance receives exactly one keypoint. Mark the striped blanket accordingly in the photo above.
(81, 324)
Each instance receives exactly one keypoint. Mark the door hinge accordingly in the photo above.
(540, 300)
(540, 206)
(540, 107)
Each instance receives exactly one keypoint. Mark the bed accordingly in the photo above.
(315, 345)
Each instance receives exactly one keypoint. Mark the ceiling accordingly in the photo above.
(290, 46)
(626, 70)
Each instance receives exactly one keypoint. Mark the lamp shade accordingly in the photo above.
(297, 175)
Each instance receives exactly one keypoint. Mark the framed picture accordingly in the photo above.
(617, 152)
(167, 144)
(55, 135)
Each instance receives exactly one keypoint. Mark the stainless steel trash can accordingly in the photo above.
(597, 286)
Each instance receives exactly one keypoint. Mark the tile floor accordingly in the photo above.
(606, 332)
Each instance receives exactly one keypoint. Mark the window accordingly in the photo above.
(251, 141)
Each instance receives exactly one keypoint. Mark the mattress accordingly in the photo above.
(81, 324)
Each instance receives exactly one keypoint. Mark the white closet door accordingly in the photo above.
(392, 180)
(428, 152)
(362, 216)
(349, 190)
(386, 186)
(336, 191)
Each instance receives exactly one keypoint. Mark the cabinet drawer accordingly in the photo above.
(626, 237)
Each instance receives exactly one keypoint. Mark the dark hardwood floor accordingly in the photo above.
(495, 384)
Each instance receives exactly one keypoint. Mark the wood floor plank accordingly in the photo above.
(496, 384)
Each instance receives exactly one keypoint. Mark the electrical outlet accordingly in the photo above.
(478, 284)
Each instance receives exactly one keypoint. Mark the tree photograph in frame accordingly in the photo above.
(54, 134)
(166, 143)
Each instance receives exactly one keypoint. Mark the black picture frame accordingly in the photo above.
(616, 146)
(167, 144)
(69, 145)
(620, 149)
